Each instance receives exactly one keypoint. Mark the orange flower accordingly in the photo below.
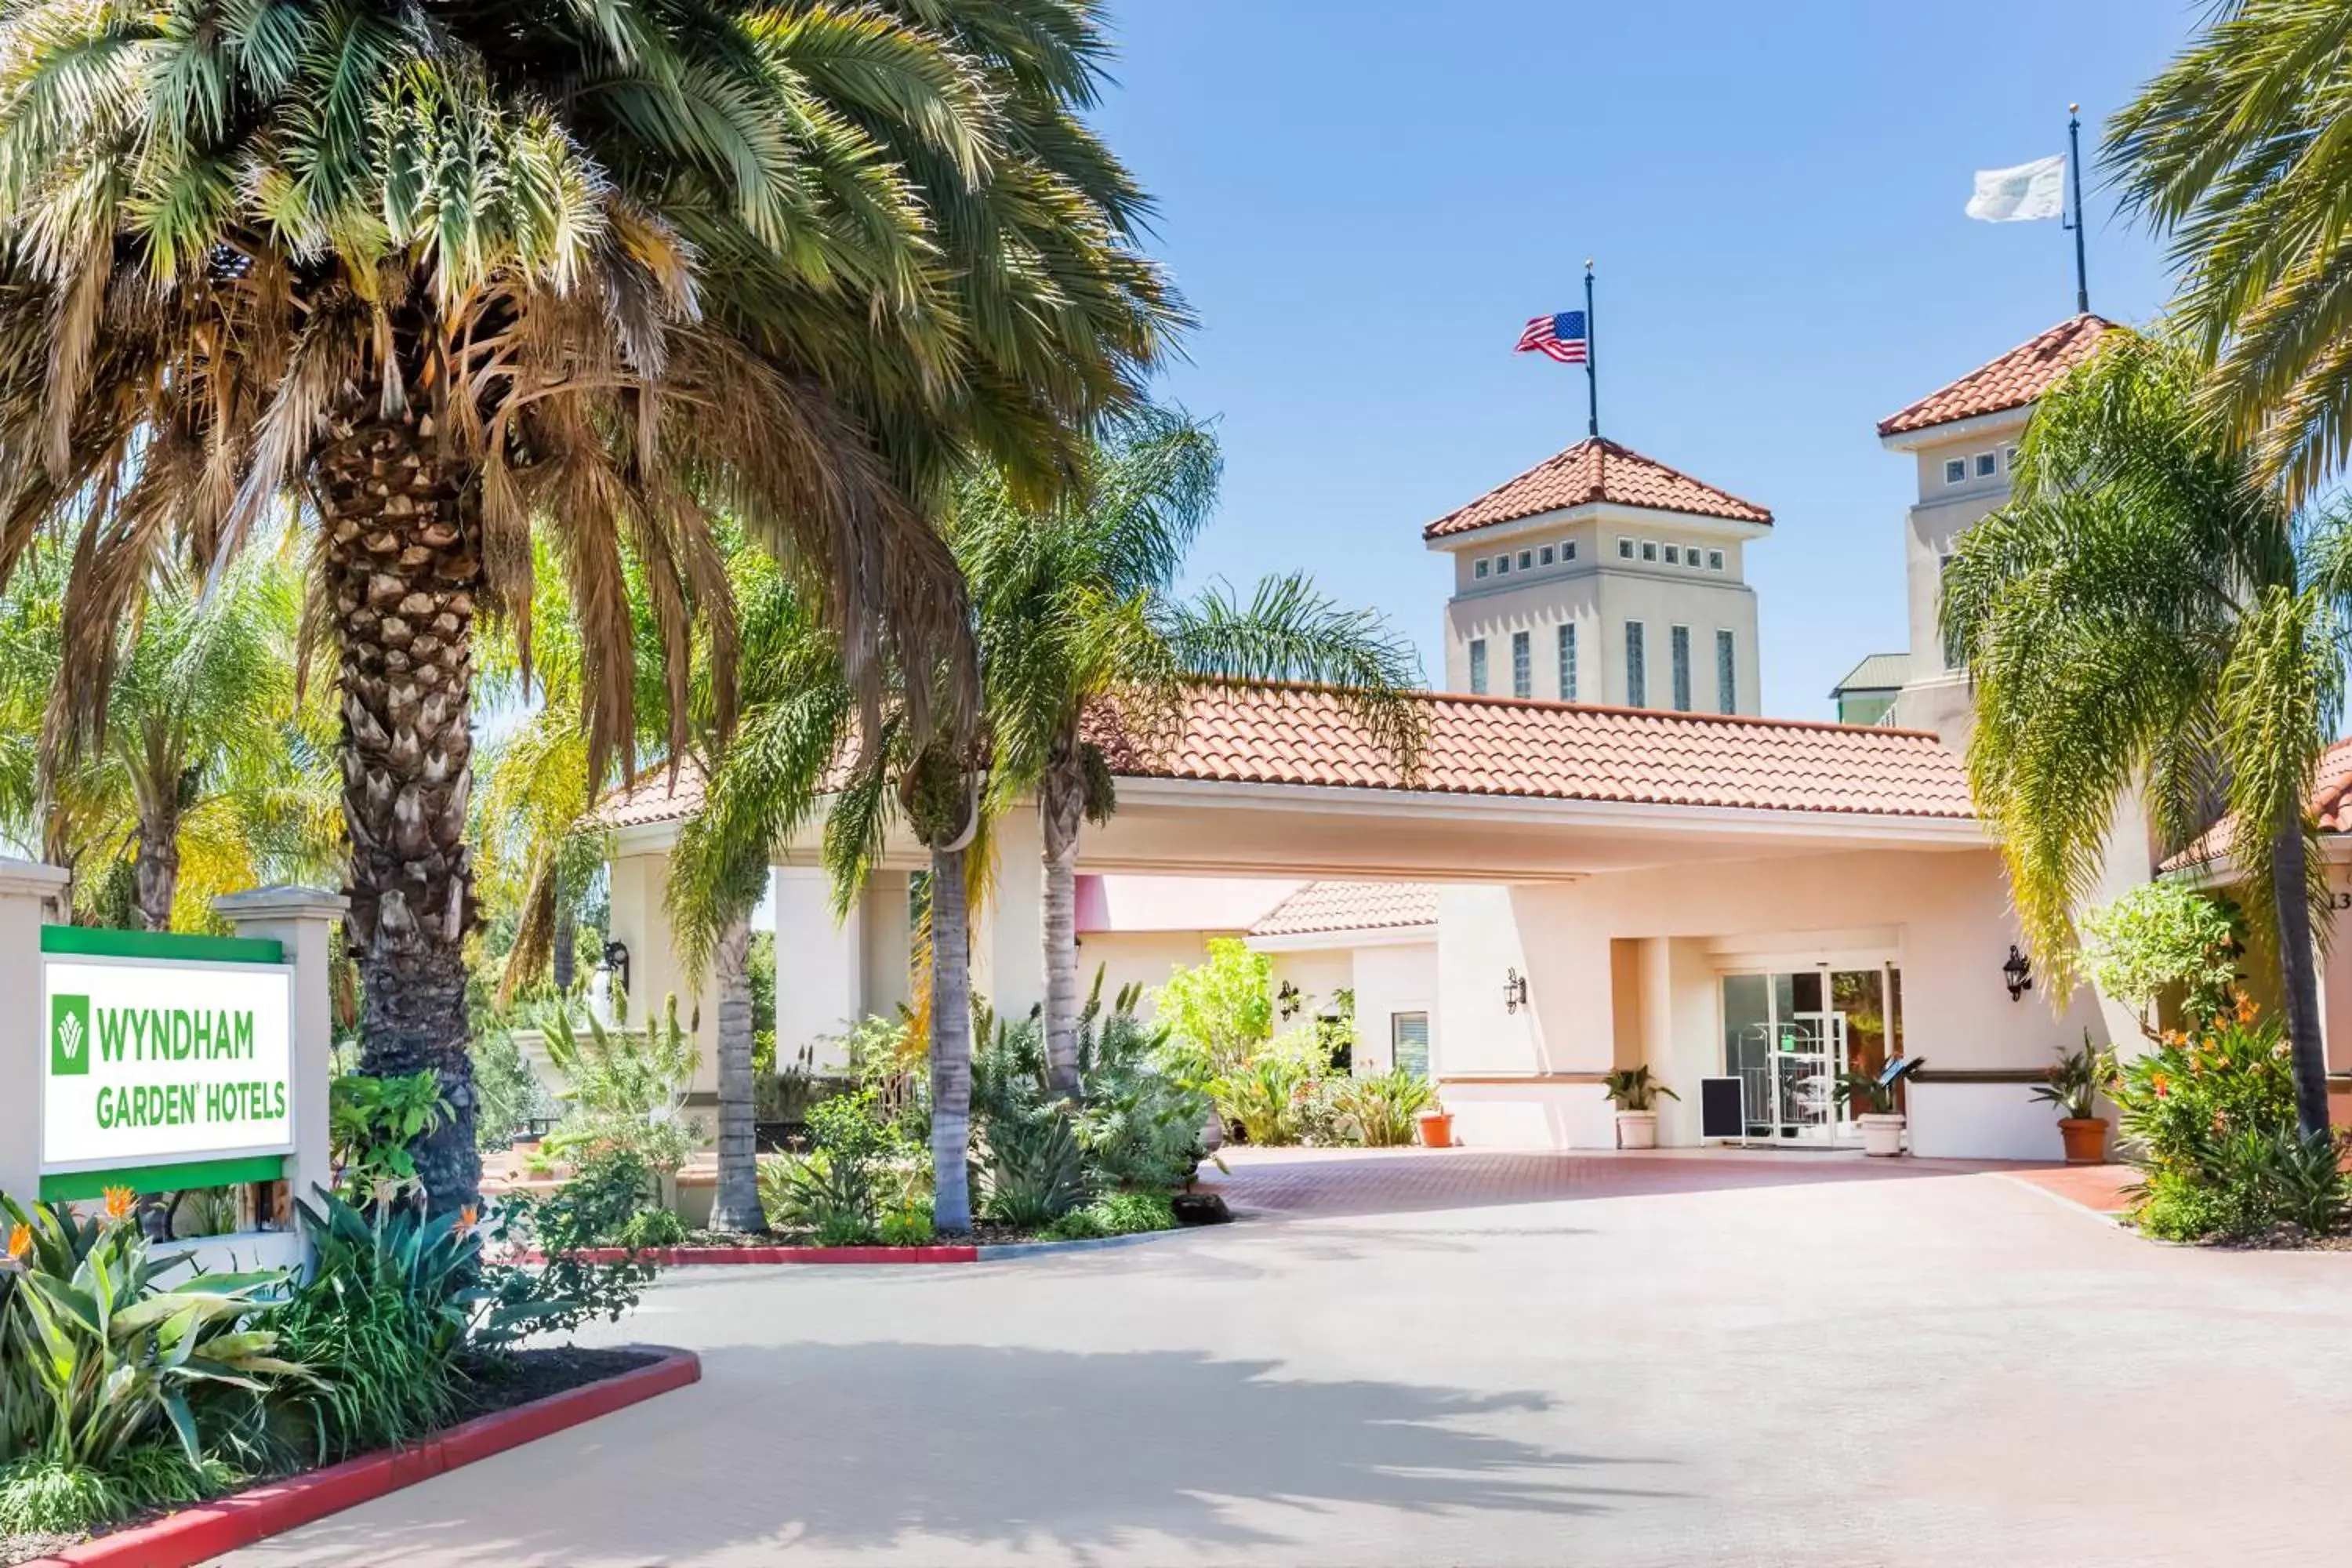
(2160, 1089)
(20, 1241)
(2246, 1008)
(467, 1219)
(120, 1201)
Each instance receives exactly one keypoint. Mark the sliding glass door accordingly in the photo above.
(1789, 1034)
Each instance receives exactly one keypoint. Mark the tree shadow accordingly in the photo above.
(1001, 1449)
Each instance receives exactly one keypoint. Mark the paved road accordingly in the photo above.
(1728, 1362)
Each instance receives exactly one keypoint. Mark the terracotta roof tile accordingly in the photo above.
(1595, 469)
(2331, 808)
(1321, 907)
(1287, 735)
(1505, 746)
(2012, 381)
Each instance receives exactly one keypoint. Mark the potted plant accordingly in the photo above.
(1881, 1123)
(2075, 1082)
(1636, 1093)
(1435, 1125)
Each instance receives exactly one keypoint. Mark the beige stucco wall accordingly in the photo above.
(1391, 978)
(1942, 915)
(1145, 957)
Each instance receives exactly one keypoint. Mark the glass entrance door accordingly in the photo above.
(1789, 1035)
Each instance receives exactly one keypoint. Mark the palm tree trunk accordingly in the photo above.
(402, 567)
(735, 1204)
(2299, 978)
(1061, 807)
(156, 873)
(950, 1043)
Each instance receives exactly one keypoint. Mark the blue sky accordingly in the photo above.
(1364, 199)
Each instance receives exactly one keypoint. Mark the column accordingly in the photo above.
(27, 893)
(302, 921)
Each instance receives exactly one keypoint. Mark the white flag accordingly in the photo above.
(2015, 195)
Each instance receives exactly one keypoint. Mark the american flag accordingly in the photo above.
(1561, 336)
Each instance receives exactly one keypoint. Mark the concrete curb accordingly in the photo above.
(211, 1530)
(1006, 1249)
(989, 1252)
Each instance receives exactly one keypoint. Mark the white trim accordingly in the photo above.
(1957, 429)
(1485, 535)
(1360, 936)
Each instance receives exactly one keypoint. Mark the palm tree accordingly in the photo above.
(2235, 152)
(436, 278)
(1078, 610)
(202, 750)
(2147, 610)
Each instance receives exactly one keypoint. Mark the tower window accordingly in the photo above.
(1956, 470)
(1726, 672)
(1637, 683)
(1649, 550)
(1673, 555)
(1988, 465)
(1480, 568)
(1523, 672)
(1568, 661)
(1545, 556)
(1715, 559)
(1502, 564)
(1478, 667)
(1527, 560)
(1678, 646)
(1624, 550)
(1567, 551)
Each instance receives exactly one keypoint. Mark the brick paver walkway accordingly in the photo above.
(1635, 1363)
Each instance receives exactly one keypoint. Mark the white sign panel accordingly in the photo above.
(156, 1063)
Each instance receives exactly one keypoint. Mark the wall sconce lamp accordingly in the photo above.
(2017, 974)
(1514, 990)
(616, 960)
(1289, 1000)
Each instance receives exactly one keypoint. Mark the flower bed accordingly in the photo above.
(540, 1393)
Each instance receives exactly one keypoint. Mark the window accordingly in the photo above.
(1988, 465)
(1727, 672)
(2008, 458)
(1956, 470)
(1409, 1043)
(1690, 558)
(1502, 564)
(1567, 662)
(1673, 555)
(1478, 667)
(1523, 666)
(1527, 560)
(1479, 570)
(1545, 556)
(1624, 550)
(1637, 683)
(1678, 645)
(1649, 550)
(1715, 559)
(1567, 551)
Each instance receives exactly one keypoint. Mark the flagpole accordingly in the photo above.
(1592, 373)
(2074, 171)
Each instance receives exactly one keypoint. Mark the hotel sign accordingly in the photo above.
(156, 1061)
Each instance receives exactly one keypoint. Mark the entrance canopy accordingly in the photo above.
(1279, 779)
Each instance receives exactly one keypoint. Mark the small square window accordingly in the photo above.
(1956, 470)
(1567, 551)
(1502, 564)
(1624, 550)
(1715, 559)
(1673, 555)
(2008, 458)
(1649, 550)
(1527, 560)
(1690, 558)
(1479, 570)
(1545, 556)
(1988, 465)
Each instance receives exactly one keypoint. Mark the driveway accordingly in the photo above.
(1582, 1359)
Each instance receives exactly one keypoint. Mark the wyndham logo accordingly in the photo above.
(69, 1036)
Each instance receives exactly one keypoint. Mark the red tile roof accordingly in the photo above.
(1291, 734)
(1504, 746)
(1321, 907)
(2330, 801)
(2012, 381)
(1595, 469)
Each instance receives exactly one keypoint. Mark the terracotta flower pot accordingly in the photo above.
(1436, 1129)
(2086, 1140)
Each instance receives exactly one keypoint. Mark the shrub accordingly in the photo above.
(859, 1168)
(604, 1199)
(1035, 1172)
(1220, 1011)
(626, 1090)
(1269, 1096)
(41, 1496)
(908, 1224)
(1118, 1214)
(2164, 941)
(371, 1122)
(1379, 1110)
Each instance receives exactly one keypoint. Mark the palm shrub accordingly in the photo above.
(371, 1122)
(625, 1089)
(860, 1177)
(1378, 1110)
(109, 1366)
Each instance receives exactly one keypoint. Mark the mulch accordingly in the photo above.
(491, 1383)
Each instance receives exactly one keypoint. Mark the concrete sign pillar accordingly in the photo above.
(29, 892)
(302, 921)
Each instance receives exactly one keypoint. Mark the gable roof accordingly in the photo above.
(1595, 469)
(1876, 672)
(1321, 907)
(2330, 803)
(2012, 381)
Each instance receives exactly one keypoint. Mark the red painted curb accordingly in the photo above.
(210, 1530)
(672, 1256)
